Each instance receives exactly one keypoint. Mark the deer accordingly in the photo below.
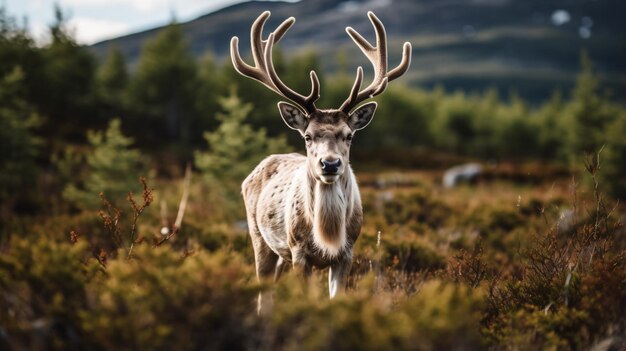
(305, 212)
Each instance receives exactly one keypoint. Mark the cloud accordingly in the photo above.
(95, 20)
(143, 6)
(91, 30)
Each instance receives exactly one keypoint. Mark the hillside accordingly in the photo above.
(462, 44)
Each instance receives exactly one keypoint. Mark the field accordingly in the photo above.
(513, 261)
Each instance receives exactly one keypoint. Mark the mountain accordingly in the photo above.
(531, 47)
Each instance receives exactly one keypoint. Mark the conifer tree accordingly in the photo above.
(613, 158)
(164, 86)
(65, 96)
(112, 168)
(112, 80)
(589, 114)
(235, 147)
(210, 87)
(17, 145)
(550, 127)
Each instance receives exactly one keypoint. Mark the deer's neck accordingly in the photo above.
(330, 205)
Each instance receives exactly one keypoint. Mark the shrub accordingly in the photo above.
(441, 316)
(555, 299)
(164, 300)
(43, 290)
(418, 207)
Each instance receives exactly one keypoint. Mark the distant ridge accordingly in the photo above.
(461, 44)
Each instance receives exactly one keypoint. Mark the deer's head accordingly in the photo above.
(327, 133)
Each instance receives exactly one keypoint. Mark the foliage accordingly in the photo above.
(589, 112)
(235, 147)
(555, 301)
(68, 77)
(163, 87)
(18, 146)
(198, 290)
(43, 290)
(211, 295)
(210, 86)
(112, 168)
(441, 316)
(613, 166)
(112, 80)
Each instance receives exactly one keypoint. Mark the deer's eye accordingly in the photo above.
(349, 137)
(307, 138)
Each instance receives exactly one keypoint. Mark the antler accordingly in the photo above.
(378, 57)
(263, 70)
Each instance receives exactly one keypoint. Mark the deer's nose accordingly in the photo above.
(330, 166)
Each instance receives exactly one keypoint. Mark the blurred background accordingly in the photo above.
(505, 138)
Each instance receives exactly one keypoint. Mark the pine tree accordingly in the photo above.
(613, 158)
(17, 48)
(17, 145)
(164, 87)
(550, 128)
(210, 87)
(235, 147)
(112, 80)
(65, 96)
(112, 168)
(588, 113)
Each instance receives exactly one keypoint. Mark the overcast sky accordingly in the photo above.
(95, 20)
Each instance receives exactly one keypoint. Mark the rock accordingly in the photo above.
(468, 173)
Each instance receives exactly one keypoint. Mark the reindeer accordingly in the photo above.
(306, 211)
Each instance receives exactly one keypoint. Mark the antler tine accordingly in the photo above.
(404, 63)
(315, 88)
(244, 68)
(381, 42)
(355, 88)
(256, 40)
(263, 70)
(378, 57)
(307, 103)
(283, 28)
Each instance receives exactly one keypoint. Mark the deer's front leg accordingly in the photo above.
(301, 265)
(337, 275)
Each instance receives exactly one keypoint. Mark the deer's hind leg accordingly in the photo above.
(266, 262)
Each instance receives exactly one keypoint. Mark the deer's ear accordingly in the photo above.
(362, 116)
(293, 116)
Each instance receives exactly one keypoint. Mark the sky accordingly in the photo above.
(96, 20)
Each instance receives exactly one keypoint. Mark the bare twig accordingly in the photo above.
(111, 218)
(182, 207)
(164, 222)
(137, 211)
(100, 255)
(183, 201)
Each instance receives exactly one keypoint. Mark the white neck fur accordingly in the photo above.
(331, 204)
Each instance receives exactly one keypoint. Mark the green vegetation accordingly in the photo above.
(235, 140)
(18, 146)
(530, 257)
(111, 168)
(161, 91)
